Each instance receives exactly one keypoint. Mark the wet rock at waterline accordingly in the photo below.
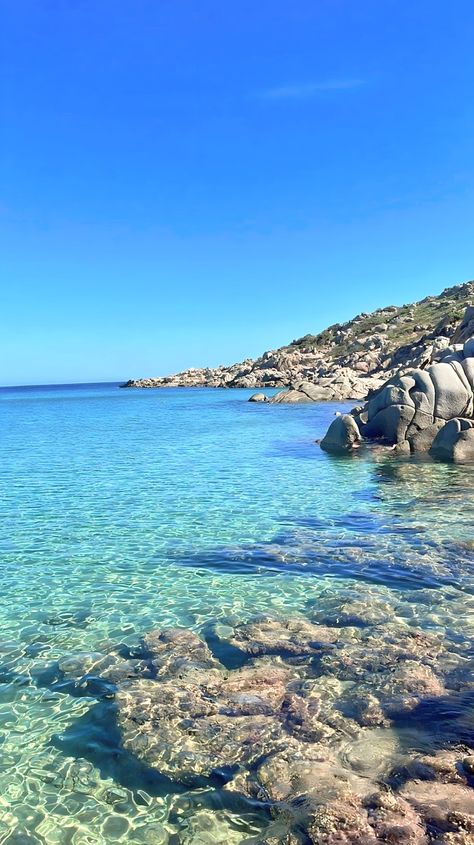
(455, 441)
(342, 435)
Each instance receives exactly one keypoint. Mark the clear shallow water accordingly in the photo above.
(123, 511)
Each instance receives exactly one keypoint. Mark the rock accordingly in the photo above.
(311, 728)
(270, 635)
(366, 710)
(342, 436)
(258, 397)
(466, 328)
(455, 441)
(410, 410)
(442, 766)
(390, 423)
(190, 728)
(444, 806)
(468, 348)
(422, 439)
(439, 345)
(354, 610)
(290, 396)
(177, 651)
(341, 822)
(453, 394)
(394, 820)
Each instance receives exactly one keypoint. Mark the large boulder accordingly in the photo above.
(342, 435)
(414, 401)
(466, 328)
(290, 396)
(455, 441)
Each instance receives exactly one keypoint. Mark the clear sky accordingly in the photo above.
(191, 182)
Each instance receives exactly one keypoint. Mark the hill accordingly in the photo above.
(346, 360)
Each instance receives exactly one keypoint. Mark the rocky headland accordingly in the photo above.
(346, 361)
(429, 408)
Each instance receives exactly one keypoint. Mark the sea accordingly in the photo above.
(123, 511)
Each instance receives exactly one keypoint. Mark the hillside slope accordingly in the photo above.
(345, 360)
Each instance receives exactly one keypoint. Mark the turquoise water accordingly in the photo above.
(123, 511)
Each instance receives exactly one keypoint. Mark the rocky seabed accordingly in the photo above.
(352, 724)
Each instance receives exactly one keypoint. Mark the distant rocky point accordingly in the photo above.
(346, 361)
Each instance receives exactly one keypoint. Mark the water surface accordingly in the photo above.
(123, 511)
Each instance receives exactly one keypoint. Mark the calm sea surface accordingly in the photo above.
(122, 511)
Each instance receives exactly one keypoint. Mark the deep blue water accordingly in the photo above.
(124, 510)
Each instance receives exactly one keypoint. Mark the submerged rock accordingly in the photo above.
(356, 609)
(200, 718)
(446, 807)
(296, 637)
(308, 727)
(179, 652)
(394, 820)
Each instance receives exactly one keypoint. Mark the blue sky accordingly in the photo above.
(191, 183)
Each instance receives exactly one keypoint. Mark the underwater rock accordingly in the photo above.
(359, 611)
(302, 718)
(178, 651)
(283, 636)
(444, 766)
(406, 685)
(201, 718)
(108, 667)
(394, 820)
(379, 651)
(307, 772)
(366, 709)
(447, 807)
(341, 822)
(308, 727)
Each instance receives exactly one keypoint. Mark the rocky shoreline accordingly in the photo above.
(344, 362)
(419, 410)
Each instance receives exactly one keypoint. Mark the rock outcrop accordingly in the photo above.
(312, 726)
(420, 410)
(347, 360)
(343, 435)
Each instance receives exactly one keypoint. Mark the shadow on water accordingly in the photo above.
(229, 655)
(445, 723)
(357, 558)
(388, 541)
(95, 737)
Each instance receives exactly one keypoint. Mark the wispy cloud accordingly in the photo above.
(309, 89)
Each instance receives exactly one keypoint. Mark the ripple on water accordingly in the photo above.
(124, 511)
